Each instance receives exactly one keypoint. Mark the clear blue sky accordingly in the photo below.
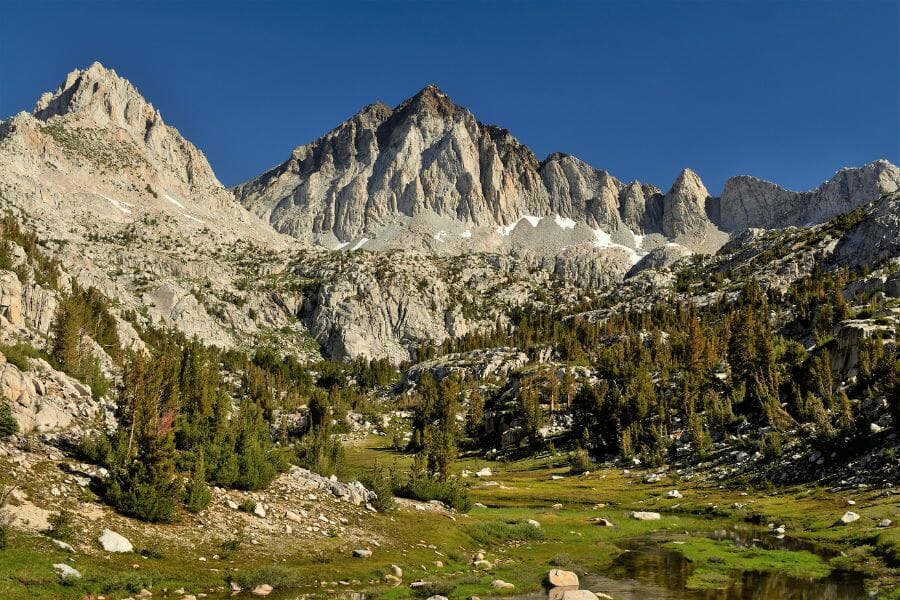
(785, 90)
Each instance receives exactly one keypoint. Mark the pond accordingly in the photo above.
(649, 571)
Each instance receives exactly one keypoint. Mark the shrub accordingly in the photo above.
(247, 506)
(380, 482)
(580, 462)
(18, 354)
(451, 492)
(8, 424)
(321, 453)
(61, 525)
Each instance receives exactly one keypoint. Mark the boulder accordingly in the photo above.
(63, 546)
(579, 595)
(645, 516)
(263, 589)
(362, 553)
(66, 572)
(499, 584)
(561, 578)
(485, 472)
(10, 297)
(114, 542)
(674, 494)
(884, 523)
(848, 517)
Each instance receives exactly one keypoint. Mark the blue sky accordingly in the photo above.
(785, 90)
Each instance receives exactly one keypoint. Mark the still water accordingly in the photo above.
(647, 571)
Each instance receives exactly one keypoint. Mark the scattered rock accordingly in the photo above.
(884, 523)
(263, 589)
(557, 506)
(113, 542)
(645, 516)
(362, 553)
(534, 523)
(485, 472)
(499, 584)
(579, 595)
(66, 572)
(561, 578)
(674, 494)
(63, 546)
(848, 517)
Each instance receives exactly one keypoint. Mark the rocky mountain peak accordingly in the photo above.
(430, 100)
(100, 94)
(689, 184)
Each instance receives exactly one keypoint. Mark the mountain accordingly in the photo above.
(429, 155)
(130, 207)
(431, 160)
(133, 209)
(750, 202)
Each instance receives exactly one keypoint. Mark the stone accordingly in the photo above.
(884, 523)
(674, 494)
(602, 522)
(63, 546)
(562, 578)
(66, 572)
(397, 571)
(848, 517)
(534, 523)
(260, 510)
(114, 542)
(485, 472)
(579, 595)
(362, 553)
(231, 504)
(645, 515)
(437, 597)
(499, 584)
(263, 589)
(557, 506)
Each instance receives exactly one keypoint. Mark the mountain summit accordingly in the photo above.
(429, 158)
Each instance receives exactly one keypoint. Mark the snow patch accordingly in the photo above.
(173, 200)
(359, 244)
(439, 236)
(466, 234)
(563, 222)
(118, 204)
(341, 245)
(604, 240)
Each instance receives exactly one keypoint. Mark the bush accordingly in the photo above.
(380, 482)
(580, 461)
(321, 453)
(8, 424)
(451, 492)
(18, 354)
(247, 506)
(61, 525)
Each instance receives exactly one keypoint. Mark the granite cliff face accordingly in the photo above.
(750, 202)
(430, 160)
(429, 154)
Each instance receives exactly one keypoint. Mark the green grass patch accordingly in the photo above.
(500, 532)
(714, 560)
